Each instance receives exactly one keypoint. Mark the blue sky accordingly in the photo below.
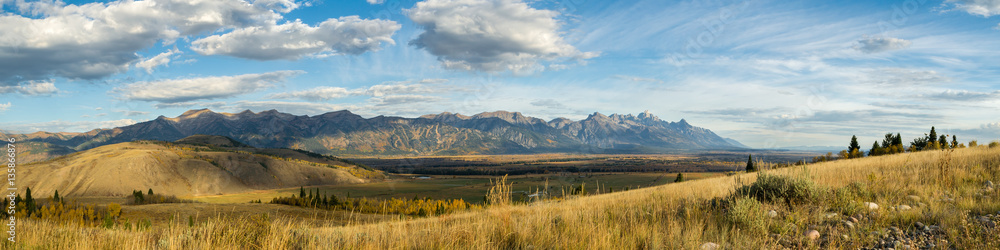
(766, 73)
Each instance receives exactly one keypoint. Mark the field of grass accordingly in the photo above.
(949, 186)
(469, 188)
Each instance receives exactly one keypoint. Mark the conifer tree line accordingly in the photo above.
(893, 144)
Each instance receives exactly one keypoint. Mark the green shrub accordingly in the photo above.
(994, 144)
(746, 213)
(776, 188)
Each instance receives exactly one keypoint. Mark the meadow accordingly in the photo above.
(948, 203)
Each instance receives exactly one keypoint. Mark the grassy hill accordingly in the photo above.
(192, 166)
(947, 203)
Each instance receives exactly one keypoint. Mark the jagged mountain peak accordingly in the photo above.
(195, 113)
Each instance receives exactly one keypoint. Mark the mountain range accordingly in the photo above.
(345, 133)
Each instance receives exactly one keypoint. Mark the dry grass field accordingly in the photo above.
(943, 190)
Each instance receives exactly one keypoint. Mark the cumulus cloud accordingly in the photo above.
(5, 107)
(375, 1)
(871, 45)
(181, 90)
(31, 88)
(293, 40)
(315, 94)
(985, 8)
(156, 61)
(491, 35)
(95, 40)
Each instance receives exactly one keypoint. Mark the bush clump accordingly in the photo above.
(746, 213)
(776, 188)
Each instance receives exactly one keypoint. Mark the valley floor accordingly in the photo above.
(948, 204)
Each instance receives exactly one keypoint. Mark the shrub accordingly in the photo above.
(746, 213)
(994, 144)
(776, 188)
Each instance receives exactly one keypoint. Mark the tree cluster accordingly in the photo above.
(415, 206)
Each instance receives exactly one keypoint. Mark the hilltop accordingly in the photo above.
(196, 165)
(345, 133)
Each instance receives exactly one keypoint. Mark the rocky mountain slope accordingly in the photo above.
(343, 132)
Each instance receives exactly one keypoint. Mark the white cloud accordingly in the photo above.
(404, 99)
(297, 108)
(491, 35)
(375, 1)
(964, 95)
(293, 40)
(156, 61)
(132, 112)
(5, 107)
(31, 88)
(902, 77)
(315, 94)
(66, 126)
(181, 90)
(96, 40)
(880, 44)
(985, 8)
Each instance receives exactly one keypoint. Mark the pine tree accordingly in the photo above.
(876, 149)
(750, 165)
(954, 141)
(854, 144)
(932, 137)
(150, 193)
(302, 192)
(29, 203)
(680, 177)
(55, 197)
(943, 141)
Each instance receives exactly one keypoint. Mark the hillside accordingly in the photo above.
(345, 133)
(947, 206)
(198, 165)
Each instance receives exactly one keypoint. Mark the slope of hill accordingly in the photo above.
(343, 132)
(949, 197)
(206, 167)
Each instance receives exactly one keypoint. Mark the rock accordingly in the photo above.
(812, 234)
(709, 246)
(830, 215)
(919, 225)
(848, 224)
(989, 184)
(772, 214)
(853, 220)
(870, 205)
(913, 198)
(903, 207)
(845, 237)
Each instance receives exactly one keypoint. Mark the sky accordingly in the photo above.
(766, 73)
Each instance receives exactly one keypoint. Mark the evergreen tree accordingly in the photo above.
(954, 141)
(932, 137)
(854, 145)
(150, 193)
(29, 203)
(302, 192)
(680, 177)
(55, 197)
(876, 149)
(888, 141)
(750, 165)
(943, 141)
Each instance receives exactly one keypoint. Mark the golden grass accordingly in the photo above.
(674, 216)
